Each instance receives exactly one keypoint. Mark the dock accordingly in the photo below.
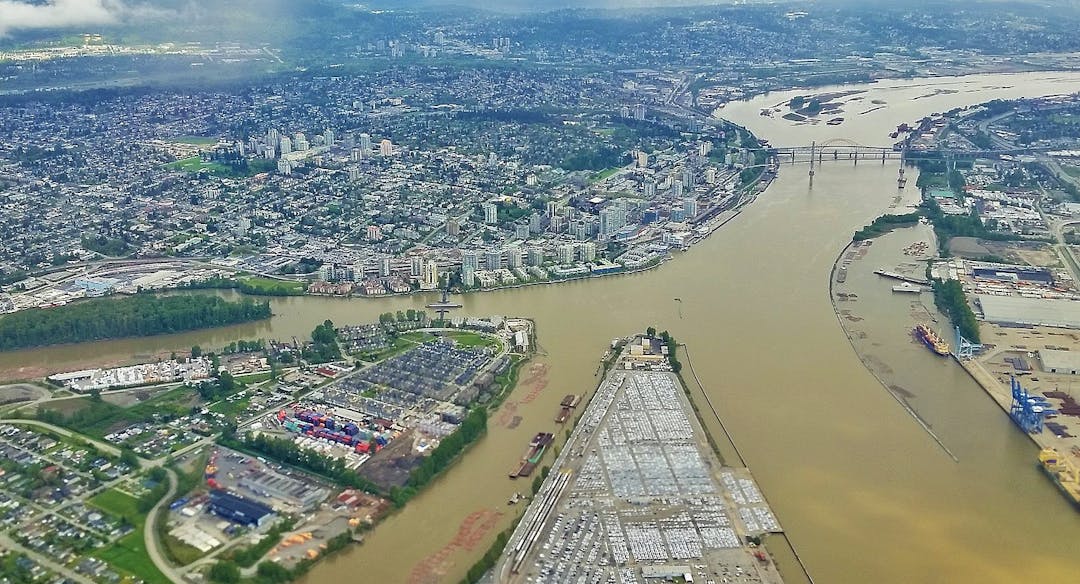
(908, 288)
(902, 277)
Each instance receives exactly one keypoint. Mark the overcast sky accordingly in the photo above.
(18, 15)
(24, 15)
(37, 14)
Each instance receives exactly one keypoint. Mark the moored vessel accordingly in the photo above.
(931, 339)
(1064, 474)
(533, 455)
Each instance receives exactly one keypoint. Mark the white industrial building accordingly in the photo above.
(1055, 361)
(1016, 310)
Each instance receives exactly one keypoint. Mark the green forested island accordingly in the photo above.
(135, 316)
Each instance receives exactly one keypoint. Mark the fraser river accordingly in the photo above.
(864, 493)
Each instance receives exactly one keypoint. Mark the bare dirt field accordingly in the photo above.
(390, 467)
(21, 392)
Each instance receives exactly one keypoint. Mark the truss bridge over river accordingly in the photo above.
(843, 149)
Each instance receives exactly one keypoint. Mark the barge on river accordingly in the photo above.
(1064, 474)
(532, 457)
(566, 407)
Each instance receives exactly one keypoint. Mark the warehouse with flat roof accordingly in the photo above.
(1055, 361)
(1016, 310)
(292, 491)
(1013, 274)
(239, 509)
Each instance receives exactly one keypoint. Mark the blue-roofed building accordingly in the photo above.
(239, 509)
(1000, 273)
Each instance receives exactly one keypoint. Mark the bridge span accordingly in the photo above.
(841, 149)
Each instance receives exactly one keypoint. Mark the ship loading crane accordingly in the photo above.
(1028, 411)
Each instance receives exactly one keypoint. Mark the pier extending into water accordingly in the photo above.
(902, 277)
(645, 492)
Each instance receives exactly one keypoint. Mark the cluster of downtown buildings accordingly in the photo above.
(346, 177)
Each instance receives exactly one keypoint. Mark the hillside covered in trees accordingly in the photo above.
(106, 318)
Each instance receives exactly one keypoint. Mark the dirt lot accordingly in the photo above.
(1033, 253)
(391, 466)
(42, 369)
(130, 398)
(968, 247)
(1028, 339)
(21, 392)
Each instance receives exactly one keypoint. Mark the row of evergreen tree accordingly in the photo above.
(106, 318)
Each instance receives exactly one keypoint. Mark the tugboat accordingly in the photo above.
(930, 339)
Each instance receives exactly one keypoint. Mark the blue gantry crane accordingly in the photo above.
(1028, 411)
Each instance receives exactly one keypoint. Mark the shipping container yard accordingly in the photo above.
(637, 495)
(383, 419)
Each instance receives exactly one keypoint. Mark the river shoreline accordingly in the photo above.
(527, 536)
(837, 457)
(873, 371)
(774, 551)
(999, 393)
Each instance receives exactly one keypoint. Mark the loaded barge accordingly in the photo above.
(1064, 474)
(532, 457)
(566, 407)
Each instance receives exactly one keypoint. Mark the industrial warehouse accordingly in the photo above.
(1018, 310)
(239, 509)
(272, 485)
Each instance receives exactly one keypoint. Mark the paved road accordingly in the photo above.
(8, 543)
(150, 533)
(1055, 167)
(1061, 247)
(103, 446)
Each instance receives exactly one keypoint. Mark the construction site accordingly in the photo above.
(637, 495)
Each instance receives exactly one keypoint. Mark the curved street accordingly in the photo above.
(150, 532)
(103, 446)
